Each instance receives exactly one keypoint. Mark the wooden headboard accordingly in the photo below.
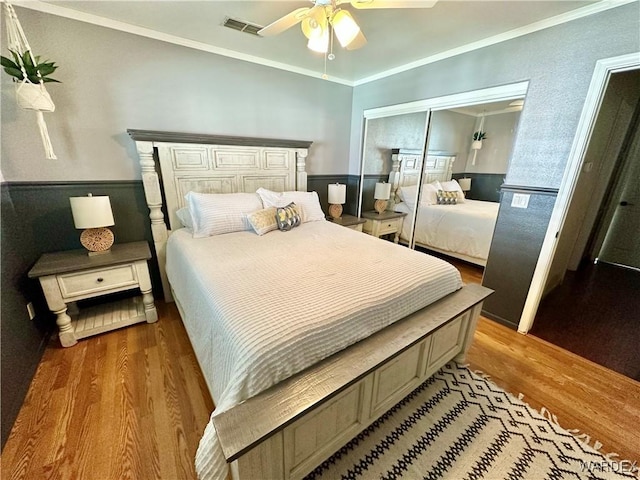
(174, 163)
(405, 168)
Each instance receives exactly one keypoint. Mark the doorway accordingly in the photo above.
(592, 293)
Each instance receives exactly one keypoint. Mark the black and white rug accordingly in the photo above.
(458, 425)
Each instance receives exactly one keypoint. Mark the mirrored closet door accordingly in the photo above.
(460, 145)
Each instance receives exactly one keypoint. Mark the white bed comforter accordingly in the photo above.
(465, 228)
(259, 309)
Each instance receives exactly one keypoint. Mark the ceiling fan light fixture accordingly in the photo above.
(320, 43)
(345, 27)
(315, 23)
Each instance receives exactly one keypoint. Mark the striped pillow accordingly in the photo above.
(218, 213)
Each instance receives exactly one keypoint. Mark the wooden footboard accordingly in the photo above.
(286, 431)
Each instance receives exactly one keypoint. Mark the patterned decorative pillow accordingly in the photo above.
(453, 186)
(307, 203)
(263, 221)
(447, 198)
(288, 217)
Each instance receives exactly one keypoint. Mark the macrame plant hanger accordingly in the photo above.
(475, 151)
(30, 96)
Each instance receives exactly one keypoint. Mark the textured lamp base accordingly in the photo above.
(97, 240)
(335, 210)
(380, 206)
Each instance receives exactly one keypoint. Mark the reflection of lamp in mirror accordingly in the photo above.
(337, 197)
(381, 195)
(465, 184)
(93, 214)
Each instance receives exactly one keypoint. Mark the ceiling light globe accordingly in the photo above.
(345, 27)
(319, 44)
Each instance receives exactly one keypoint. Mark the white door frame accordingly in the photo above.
(599, 82)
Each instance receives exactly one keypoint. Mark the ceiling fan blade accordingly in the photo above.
(366, 4)
(358, 42)
(285, 22)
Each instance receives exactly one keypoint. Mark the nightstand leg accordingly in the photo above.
(67, 337)
(396, 237)
(149, 307)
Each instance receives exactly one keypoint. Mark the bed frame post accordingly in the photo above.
(301, 169)
(153, 195)
(394, 176)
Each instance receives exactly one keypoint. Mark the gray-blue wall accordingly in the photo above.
(558, 62)
(113, 81)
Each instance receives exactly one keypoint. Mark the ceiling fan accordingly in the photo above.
(326, 17)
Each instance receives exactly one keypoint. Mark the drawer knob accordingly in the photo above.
(100, 279)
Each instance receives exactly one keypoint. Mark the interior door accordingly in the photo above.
(621, 243)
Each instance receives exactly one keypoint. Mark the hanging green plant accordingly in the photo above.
(31, 67)
(479, 135)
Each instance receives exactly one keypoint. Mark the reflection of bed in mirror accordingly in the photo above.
(463, 230)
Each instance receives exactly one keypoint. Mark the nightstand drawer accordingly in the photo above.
(390, 226)
(383, 227)
(97, 280)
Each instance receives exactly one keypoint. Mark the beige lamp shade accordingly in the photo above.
(91, 212)
(337, 193)
(465, 184)
(382, 191)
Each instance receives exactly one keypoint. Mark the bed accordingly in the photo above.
(463, 230)
(299, 350)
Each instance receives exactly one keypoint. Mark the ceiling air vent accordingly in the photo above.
(241, 26)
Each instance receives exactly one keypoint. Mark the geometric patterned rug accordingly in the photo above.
(458, 425)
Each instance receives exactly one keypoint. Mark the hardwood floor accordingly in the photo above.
(583, 395)
(133, 404)
(130, 403)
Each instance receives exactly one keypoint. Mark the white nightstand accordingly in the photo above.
(67, 277)
(385, 223)
(349, 221)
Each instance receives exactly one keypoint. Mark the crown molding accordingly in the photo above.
(65, 12)
(168, 38)
(503, 37)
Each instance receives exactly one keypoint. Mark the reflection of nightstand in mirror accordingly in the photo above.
(349, 221)
(385, 223)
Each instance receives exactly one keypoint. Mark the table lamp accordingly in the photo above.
(465, 184)
(337, 197)
(381, 195)
(93, 214)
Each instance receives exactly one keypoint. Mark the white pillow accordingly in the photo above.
(184, 215)
(408, 194)
(218, 213)
(307, 202)
(429, 194)
(453, 186)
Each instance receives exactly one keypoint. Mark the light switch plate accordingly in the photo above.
(520, 200)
